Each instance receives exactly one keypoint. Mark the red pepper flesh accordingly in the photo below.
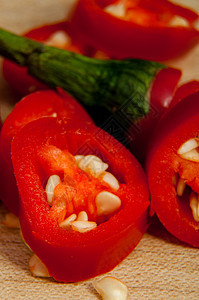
(31, 107)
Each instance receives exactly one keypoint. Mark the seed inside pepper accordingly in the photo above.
(84, 193)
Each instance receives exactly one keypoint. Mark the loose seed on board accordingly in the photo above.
(37, 268)
(111, 288)
(107, 203)
(52, 182)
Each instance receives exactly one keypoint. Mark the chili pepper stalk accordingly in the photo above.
(109, 83)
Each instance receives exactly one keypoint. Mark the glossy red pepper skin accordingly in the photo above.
(31, 107)
(18, 77)
(161, 96)
(73, 256)
(179, 125)
(184, 91)
(123, 39)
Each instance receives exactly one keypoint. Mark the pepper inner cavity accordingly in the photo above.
(80, 191)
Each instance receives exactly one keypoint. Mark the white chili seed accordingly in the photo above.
(52, 182)
(11, 221)
(92, 164)
(181, 185)
(37, 268)
(178, 21)
(58, 39)
(194, 204)
(66, 224)
(111, 288)
(117, 10)
(78, 158)
(82, 216)
(111, 181)
(192, 155)
(107, 203)
(187, 146)
(83, 226)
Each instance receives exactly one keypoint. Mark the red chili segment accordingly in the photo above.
(73, 255)
(120, 38)
(173, 168)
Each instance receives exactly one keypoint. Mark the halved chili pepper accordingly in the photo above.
(173, 168)
(147, 34)
(53, 148)
(54, 34)
(31, 107)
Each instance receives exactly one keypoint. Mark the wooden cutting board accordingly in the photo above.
(160, 267)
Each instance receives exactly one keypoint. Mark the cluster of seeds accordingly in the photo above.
(188, 151)
(106, 202)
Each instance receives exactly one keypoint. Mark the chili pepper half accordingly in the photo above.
(31, 107)
(173, 168)
(60, 174)
(144, 30)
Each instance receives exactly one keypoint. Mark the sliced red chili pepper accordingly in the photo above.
(173, 168)
(68, 254)
(120, 38)
(18, 77)
(31, 107)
